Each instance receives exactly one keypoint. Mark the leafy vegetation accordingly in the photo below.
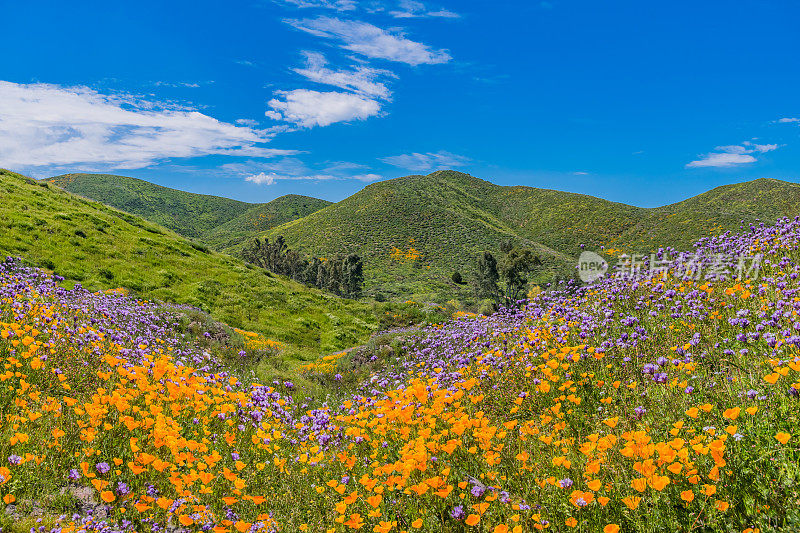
(261, 218)
(342, 276)
(100, 247)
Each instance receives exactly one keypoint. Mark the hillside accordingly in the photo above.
(414, 232)
(451, 216)
(260, 218)
(186, 213)
(721, 209)
(214, 220)
(101, 247)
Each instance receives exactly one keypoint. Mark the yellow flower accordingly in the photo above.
(733, 413)
(416, 524)
(631, 502)
(687, 496)
(473, 519)
(783, 437)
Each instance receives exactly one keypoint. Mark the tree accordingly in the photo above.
(514, 269)
(257, 252)
(334, 280)
(487, 277)
(352, 276)
(338, 275)
(322, 274)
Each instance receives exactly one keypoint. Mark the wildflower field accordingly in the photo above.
(663, 404)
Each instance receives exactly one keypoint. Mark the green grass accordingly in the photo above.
(102, 247)
(444, 216)
(217, 221)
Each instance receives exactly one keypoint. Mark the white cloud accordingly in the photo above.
(732, 155)
(290, 168)
(426, 161)
(788, 119)
(338, 5)
(308, 108)
(371, 41)
(261, 179)
(360, 80)
(48, 126)
(414, 9)
(761, 148)
(724, 159)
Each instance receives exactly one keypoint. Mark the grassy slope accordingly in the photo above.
(186, 213)
(452, 216)
(445, 216)
(216, 221)
(260, 218)
(102, 248)
(710, 213)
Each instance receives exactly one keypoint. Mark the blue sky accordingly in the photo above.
(639, 102)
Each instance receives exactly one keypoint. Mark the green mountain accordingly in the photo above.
(448, 217)
(260, 218)
(102, 248)
(214, 220)
(713, 212)
(414, 232)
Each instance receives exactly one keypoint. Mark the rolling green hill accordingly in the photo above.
(414, 232)
(102, 247)
(448, 217)
(260, 218)
(186, 213)
(216, 221)
(713, 212)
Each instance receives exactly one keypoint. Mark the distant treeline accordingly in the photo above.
(342, 275)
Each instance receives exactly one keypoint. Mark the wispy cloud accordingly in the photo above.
(338, 5)
(48, 126)
(788, 119)
(293, 169)
(177, 84)
(307, 108)
(415, 9)
(732, 155)
(360, 80)
(427, 161)
(371, 41)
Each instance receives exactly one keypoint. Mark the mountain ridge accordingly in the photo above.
(415, 231)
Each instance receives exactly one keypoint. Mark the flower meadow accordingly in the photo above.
(661, 404)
